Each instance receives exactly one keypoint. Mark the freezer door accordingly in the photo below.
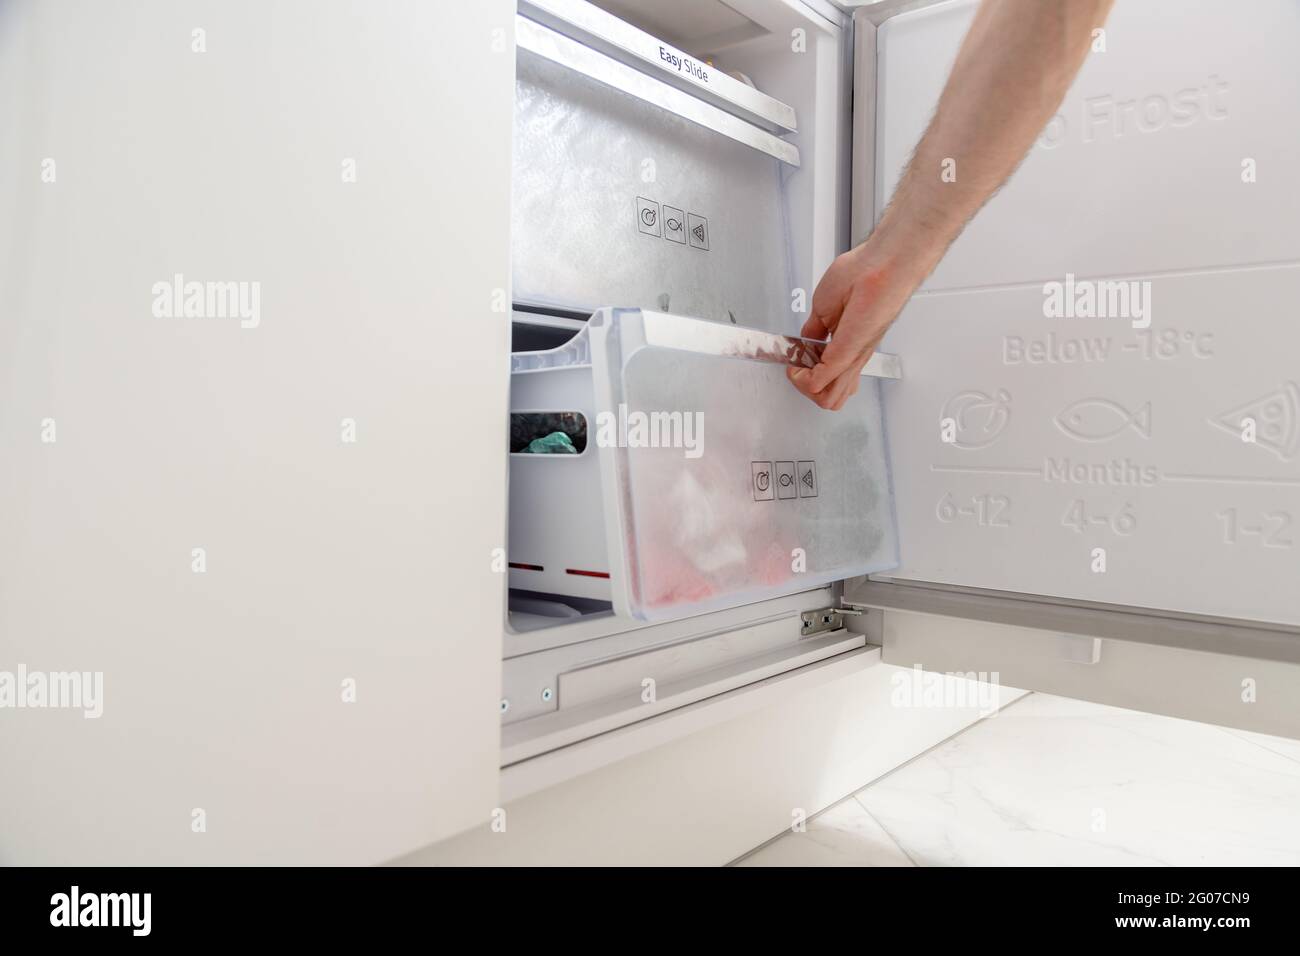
(1099, 429)
(246, 523)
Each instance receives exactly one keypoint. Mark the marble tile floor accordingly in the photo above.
(1055, 781)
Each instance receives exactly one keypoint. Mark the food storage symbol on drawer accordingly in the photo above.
(647, 216)
(697, 228)
(807, 479)
(672, 223)
(783, 479)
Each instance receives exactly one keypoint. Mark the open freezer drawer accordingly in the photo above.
(705, 481)
(1098, 433)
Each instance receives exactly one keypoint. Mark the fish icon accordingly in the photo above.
(1277, 420)
(1100, 419)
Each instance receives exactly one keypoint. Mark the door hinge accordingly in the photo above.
(824, 619)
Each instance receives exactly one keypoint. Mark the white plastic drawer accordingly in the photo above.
(707, 481)
(557, 530)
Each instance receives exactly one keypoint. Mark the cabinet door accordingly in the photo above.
(1099, 417)
(254, 271)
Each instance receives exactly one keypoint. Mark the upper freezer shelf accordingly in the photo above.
(643, 178)
(620, 41)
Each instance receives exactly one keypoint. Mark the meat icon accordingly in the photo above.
(977, 417)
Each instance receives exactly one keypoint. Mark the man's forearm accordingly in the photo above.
(1014, 67)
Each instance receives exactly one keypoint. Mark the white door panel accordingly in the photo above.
(1077, 436)
(1085, 434)
(213, 140)
(1151, 140)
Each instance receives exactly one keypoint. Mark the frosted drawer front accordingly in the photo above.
(1075, 436)
(769, 495)
(707, 230)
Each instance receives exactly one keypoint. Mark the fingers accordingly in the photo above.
(836, 393)
(815, 328)
(853, 316)
(801, 378)
(828, 300)
(819, 392)
(844, 387)
(854, 382)
(855, 337)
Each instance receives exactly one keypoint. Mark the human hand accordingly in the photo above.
(854, 304)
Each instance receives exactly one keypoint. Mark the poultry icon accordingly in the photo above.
(1100, 419)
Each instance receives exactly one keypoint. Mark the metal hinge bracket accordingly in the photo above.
(824, 619)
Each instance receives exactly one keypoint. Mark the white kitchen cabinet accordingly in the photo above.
(391, 305)
(310, 148)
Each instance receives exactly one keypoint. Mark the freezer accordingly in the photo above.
(1093, 436)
